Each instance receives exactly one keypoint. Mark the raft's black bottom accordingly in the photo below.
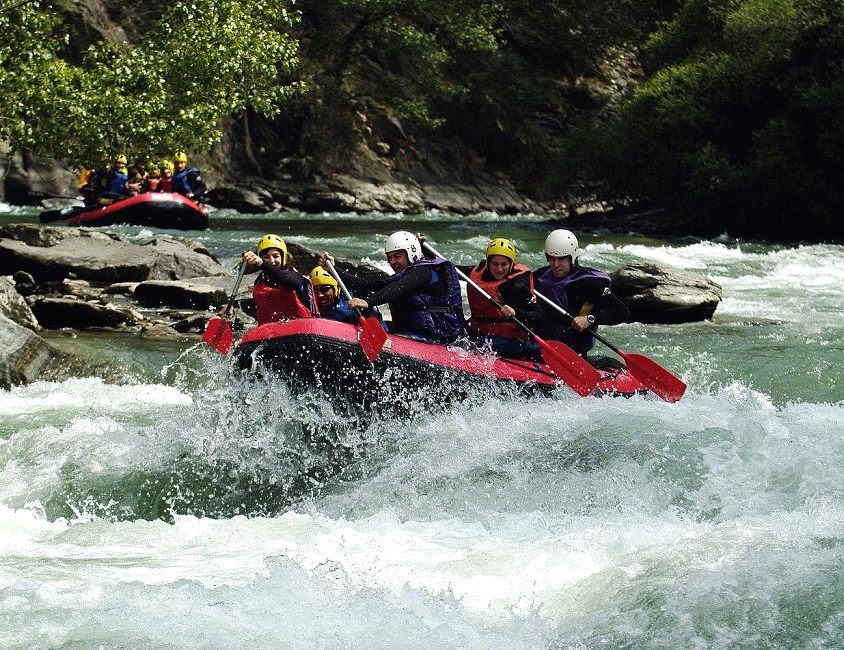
(394, 383)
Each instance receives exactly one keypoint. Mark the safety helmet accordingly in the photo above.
(272, 241)
(120, 159)
(168, 165)
(404, 241)
(501, 246)
(561, 243)
(319, 276)
(180, 156)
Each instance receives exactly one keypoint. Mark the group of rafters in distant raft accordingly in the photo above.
(114, 181)
(166, 194)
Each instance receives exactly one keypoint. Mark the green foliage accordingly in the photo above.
(739, 119)
(398, 52)
(202, 61)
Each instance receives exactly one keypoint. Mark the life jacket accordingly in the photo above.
(557, 326)
(165, 184)
(435, 313)
(276, 303)
(84, 178)
(341, 312)
(115, 185)
(181, 182)
(151, 184)
(486, 318)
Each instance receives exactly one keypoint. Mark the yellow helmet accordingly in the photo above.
(168, 165)
(180, 156)
(120, 159)
(272, 241)
(503, 247)
(319, 277)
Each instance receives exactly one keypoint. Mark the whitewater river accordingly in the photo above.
(178, 507)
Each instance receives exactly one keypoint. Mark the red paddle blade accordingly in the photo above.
(658, 380)
(218, 334)
(569, 366)
(372, 337)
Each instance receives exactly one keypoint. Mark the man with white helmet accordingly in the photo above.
(423, 294)
(584, 292)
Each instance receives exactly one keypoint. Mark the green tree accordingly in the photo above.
(740, 121)
(200, 62)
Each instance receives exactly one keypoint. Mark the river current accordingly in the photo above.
(179, 506)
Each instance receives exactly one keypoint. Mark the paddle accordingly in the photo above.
(48, 216)
(372, 335)
(569, 366)
(658, 380)
(218, 332)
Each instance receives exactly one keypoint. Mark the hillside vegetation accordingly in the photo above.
(725, 112)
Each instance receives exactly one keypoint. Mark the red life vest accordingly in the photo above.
(275, 304)
(486, 319)
(165, 184)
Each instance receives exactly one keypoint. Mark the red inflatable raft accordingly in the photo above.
(159, 210)
(326, 354)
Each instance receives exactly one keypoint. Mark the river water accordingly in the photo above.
(180, 507)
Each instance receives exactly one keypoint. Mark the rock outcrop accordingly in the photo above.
(53, 254)
(661, 294)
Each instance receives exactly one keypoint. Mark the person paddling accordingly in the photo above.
(423, 295)
(583, 291)
(332, 305)
(187, 180)
(280, 291)
(511, 283)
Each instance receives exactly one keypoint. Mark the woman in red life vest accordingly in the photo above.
(280, 291)
(166, 182)
(511, 283)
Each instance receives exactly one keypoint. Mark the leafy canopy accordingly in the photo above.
(202, 61)
(740, 117)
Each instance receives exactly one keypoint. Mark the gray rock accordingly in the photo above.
(662, 294)
(14, 307)
(25, 284)
(81, 289)
(53, 254)
(242, 199)
(31, 179)
(120, 289)
(160, 331)
(26, 357)
(56, 313)
(179, 294)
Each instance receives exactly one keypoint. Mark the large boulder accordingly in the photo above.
(181, 294)
(662, 294)
(56, 313)
(26, 357)
(32, 179)
(53, 254)
(14, 307)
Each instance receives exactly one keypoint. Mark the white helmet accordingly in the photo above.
(560, 243)
(404, 241)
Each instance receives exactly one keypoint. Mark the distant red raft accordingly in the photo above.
(325, 354)
(159, 210)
